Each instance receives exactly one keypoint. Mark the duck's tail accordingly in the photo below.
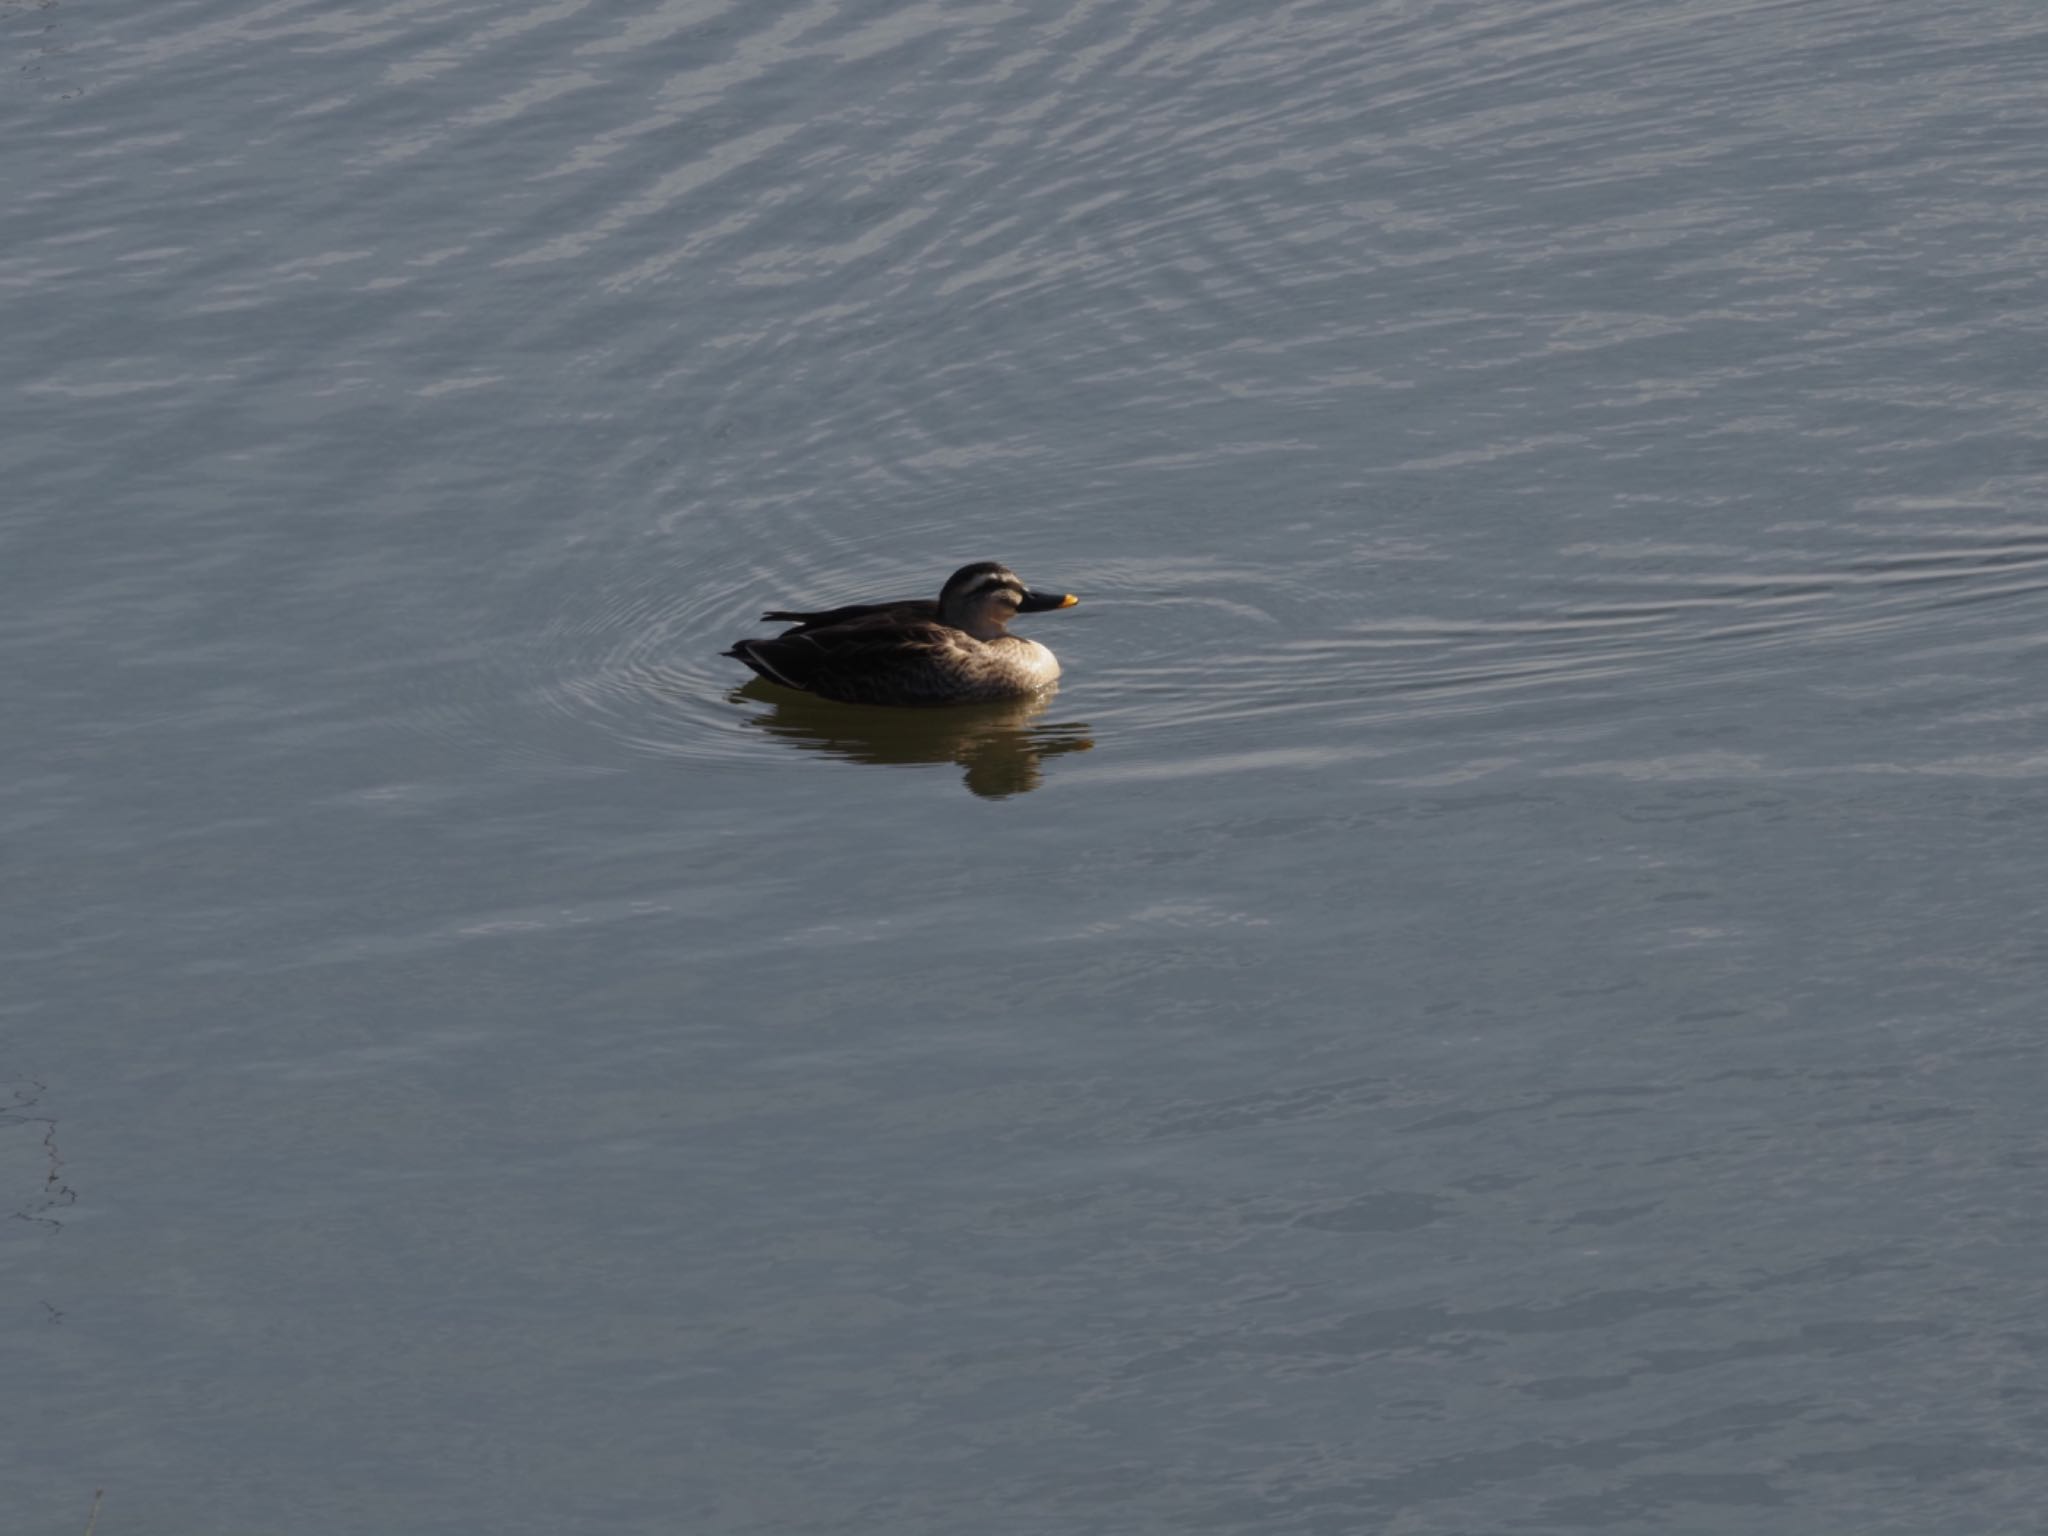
(753, 654)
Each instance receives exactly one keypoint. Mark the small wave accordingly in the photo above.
(1186, 660)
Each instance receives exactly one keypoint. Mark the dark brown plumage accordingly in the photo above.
(902, 608)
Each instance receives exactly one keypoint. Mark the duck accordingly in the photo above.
(955, 649)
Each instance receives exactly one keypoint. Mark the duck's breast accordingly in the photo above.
(1034, 664)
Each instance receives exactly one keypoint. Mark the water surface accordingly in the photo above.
(1501, 993)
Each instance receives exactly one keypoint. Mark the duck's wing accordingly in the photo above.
(876, 660)
(906, 609)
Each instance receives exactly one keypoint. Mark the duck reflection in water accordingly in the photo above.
(998, 743)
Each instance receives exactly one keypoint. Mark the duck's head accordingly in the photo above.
(983, 597)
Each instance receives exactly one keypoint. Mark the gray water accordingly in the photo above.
(1503, 993)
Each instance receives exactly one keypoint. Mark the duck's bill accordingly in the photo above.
(1040, 602)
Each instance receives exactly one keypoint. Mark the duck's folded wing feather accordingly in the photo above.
(873, 661)
(908, 609)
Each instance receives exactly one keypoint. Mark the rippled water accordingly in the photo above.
(1501, 992)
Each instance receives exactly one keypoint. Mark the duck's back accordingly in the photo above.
(906, 610)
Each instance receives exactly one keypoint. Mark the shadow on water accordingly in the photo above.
(999, 745)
